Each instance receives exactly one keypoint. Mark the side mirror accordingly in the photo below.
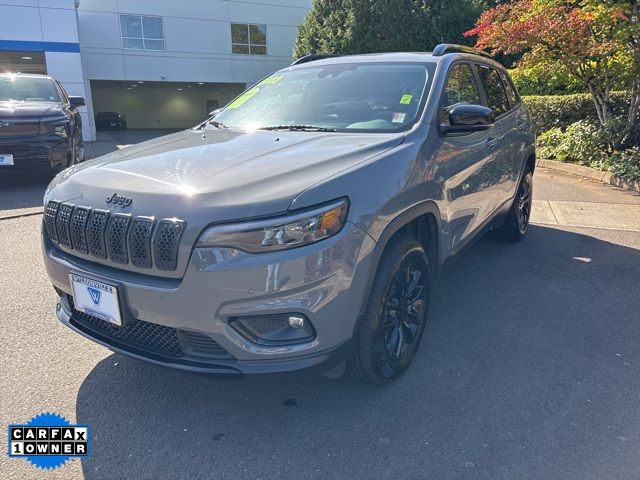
(76, 102)
(467, 118)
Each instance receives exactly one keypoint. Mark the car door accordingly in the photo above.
(463, 160)
(501, 175)
(519, 131)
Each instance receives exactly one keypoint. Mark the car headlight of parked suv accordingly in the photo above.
(56, 126)
(279, 233)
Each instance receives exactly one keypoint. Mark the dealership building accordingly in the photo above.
(163, 63)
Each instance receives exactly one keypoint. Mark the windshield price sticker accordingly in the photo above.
(242, 99)
(406, 99)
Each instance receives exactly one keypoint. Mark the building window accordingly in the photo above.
(248, 39)
(142, 33)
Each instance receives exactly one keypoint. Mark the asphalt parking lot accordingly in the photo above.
(529, 369)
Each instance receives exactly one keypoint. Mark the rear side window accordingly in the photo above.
(493, 88)
(461, 87)
(511, 92)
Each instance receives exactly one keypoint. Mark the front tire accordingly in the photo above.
(516, 223)
(395, 316)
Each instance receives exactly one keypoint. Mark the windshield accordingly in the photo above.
(28, 89)
(342, 97)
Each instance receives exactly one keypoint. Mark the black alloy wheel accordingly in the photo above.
(390, 330)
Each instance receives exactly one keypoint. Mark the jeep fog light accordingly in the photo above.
(275, 330)
(296, 321)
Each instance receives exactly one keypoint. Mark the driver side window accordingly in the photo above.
(461, 87)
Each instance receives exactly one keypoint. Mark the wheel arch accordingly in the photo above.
(529, 160)
(422, 222)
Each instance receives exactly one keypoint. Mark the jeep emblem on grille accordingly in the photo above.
(120, 200)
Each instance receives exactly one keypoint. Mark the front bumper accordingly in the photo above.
(45, 153)
(324, 281)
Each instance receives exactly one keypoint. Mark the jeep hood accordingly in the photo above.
(217, 175)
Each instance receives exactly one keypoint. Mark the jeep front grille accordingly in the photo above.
(95, 233)
(165, 246)
(62, 224)
(77, 229)
(140, 241)
(119, 237)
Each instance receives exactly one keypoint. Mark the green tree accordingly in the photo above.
(368, 26)
(596, 42)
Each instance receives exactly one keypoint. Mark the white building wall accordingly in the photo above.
(49, 26)
(197, 39)
(85, 44)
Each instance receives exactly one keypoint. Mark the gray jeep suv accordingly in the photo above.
(299, 228)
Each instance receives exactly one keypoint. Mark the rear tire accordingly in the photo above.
(390, 331)
(516, 223)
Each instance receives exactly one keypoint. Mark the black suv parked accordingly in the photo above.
(40, 126)
(110, 120)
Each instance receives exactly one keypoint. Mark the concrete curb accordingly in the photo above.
(591, 173)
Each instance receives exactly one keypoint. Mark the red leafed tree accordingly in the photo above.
(595, 41)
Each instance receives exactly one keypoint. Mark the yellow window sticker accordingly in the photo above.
(272, 80)
(242, 99)
(406, 99)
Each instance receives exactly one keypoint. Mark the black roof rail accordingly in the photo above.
(445, 48)
(312, 57)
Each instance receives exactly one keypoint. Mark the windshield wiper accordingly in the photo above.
(217, 124)
(300, 128)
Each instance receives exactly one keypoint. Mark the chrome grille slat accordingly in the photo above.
(139, 241)
(62, 224)
(117, 237)
(50, 213)
(77, 229)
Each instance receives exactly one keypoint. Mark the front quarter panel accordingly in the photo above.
(385, 192)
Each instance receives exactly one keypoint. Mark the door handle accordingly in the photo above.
(491, 142)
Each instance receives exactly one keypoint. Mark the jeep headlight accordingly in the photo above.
(279, 233)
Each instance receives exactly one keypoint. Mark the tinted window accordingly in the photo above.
(461, 86)
(142, 32)
(508, 86)
(367, 96)
(248, 39)
(496, 96)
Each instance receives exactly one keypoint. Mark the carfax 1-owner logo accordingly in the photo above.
(48, 440)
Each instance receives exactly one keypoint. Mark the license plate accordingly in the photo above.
(95, 298)
(112, 124)
(6, 159)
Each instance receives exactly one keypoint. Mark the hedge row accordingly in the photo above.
(551, 111)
